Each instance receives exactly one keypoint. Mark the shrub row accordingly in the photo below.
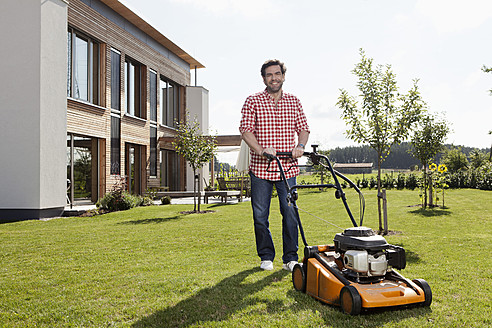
(401, 181)
(475, 179)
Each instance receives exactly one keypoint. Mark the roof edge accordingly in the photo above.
(140, 23)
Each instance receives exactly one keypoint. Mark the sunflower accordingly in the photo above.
(442, 168)
(433, 167)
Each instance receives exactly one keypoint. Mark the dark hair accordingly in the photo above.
(272, 62)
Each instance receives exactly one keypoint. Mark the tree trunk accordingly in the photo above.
(431, 188)
(425, 186)
(199, 190)
(194, 190)
(379, 192)
(385, 212)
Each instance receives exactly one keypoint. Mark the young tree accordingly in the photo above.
(195, 148)
(385, 117)
(428, 141)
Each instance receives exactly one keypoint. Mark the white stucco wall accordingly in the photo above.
(197, 106)
(33, 58)
(53, 104)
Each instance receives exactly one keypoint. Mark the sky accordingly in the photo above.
(442, 43)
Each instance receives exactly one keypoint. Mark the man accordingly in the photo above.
(270, 122)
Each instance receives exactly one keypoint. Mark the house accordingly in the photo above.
(90, 95)
(353, 168)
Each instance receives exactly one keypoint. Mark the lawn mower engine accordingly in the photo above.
(365, 257)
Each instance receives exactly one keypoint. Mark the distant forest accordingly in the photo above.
(400, 156)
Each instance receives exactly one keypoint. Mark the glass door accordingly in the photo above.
(133, 168)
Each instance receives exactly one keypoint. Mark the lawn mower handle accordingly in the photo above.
(316, 159)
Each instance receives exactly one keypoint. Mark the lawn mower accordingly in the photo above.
(358, 271)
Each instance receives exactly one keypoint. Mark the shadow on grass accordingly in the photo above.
(217, 303)
(151, 221)
(221, 205)
(378, 317)
(432, 212)
(232, 296)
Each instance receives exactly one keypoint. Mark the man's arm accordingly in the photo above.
(252, 142)
(303, 139)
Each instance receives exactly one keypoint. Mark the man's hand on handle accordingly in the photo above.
(270, 151)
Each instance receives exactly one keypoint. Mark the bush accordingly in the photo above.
(400, 181)
(146, 201)
(411, 181)
(364, 183)
(387, 181)
(166, 200)
(373, 183)
(117, 201)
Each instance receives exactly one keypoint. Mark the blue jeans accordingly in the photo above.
(261, 195)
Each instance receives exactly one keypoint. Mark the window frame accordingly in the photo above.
(115, 145)
(167, 114)
(153, 95)
(115, 83)
(153, 144)
(93, 70)
(134, 86)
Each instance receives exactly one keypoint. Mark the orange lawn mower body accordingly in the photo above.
(359, 271)
(342, 279)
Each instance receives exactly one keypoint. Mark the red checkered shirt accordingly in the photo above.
(275, 126)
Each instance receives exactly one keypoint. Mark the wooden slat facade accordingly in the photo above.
(94, 120)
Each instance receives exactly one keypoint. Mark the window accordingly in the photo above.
(170, 172)
(115, 80)
(169, 102)
(115, 145)
(153, 95)
(153, 151)
(134, 88)
(83, 67)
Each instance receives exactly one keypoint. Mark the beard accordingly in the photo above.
(274, 88)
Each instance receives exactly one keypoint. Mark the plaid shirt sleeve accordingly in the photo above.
(275, 125)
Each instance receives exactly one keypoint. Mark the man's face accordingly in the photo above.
(273, 78)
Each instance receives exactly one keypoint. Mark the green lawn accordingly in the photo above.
(153, 267)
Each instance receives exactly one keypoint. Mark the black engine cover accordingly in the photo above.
(396, 257)
(359, 238)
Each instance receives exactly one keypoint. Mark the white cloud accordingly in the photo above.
(455, 15)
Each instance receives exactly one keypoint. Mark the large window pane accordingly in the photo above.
(81, 79)
(69, 70)
(153, 96)
(115, 80)
(133, 90)
(153, 151)
(115, 145)
(83, 67)
(175, 107)
(170, 110)
(169, 96)
(130, 88)
(170, 172)
(164, 102)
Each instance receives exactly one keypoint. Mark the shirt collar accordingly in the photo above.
(265, 92)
